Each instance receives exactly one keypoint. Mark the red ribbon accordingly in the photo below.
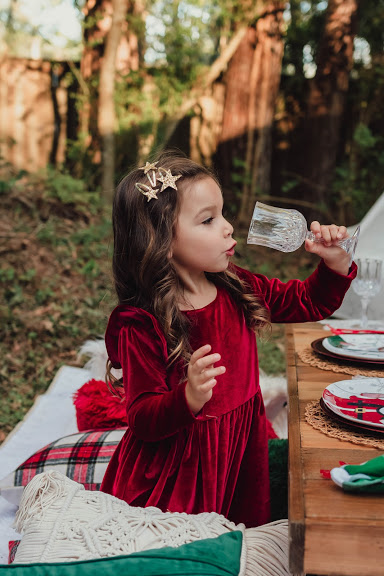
(350, 331)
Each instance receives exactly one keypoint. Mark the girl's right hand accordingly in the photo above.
(201, 377)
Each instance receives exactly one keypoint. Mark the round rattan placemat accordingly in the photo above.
(308, 356)
(316, 417)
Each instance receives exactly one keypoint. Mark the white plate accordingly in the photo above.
(363, 346)
(358, 400)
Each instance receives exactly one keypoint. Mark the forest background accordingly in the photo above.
(282, 100)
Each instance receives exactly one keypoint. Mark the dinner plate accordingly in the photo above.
(361, 346)
(358, 400)
(317, 346)
(353, 425)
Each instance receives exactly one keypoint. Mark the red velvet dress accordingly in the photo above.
(218, 460)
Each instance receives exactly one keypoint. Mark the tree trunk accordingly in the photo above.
(327, 97)
(97, 18)
(252, 84)
(232, 145)
(106, 109)
(95, 11)
(264, 81)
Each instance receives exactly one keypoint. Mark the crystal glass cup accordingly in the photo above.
(367, 284)
(286, 230)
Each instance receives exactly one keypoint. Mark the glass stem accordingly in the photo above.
(364, 316)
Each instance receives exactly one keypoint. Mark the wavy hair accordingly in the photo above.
(144, 275)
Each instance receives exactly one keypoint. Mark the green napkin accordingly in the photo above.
(366, 477)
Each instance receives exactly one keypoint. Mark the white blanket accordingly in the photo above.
(52, 416)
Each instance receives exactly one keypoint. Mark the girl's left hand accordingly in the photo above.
(334, 257)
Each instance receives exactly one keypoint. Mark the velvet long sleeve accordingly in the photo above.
(154, 410)
(155, 417)
(310, 300)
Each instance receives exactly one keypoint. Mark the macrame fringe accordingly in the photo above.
(63, 522)
(39, 494)
(267, 550)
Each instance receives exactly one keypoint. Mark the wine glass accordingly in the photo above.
(367, 283)
(285, 229)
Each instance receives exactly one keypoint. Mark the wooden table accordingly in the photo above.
(331, 532)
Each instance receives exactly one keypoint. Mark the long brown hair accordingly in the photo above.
(143, 273)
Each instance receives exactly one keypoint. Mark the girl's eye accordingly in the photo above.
(208, 221)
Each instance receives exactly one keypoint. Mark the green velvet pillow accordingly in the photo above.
(211, 557)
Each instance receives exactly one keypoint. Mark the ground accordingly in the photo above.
(56, 285)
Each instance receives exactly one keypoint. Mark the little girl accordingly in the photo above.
(184, 336)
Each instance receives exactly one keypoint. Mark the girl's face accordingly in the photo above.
(203, 240)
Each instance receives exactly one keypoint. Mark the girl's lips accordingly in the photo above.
(231, 251)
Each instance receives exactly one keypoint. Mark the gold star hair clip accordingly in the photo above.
(163, 175)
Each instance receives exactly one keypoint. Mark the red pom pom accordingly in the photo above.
(97, 408)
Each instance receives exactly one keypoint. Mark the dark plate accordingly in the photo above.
(350, 423)
(317, 346)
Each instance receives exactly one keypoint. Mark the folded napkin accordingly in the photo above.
(366, 477)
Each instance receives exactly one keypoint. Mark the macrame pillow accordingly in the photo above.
(62, 522)
(83, 457)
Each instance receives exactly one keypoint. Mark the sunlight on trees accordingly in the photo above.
(174, 78)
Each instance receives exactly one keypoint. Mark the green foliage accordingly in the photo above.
(52, 286)
(69, 190)
(271, 356)
(359, 180)
(363, 138)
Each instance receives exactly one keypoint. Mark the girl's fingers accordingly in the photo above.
(203, 363)
(330, 232)
(326, 234)
(213, 372)
(315, 228)
(200, 353)
(342, 232)
(207, 386)
(333, 229)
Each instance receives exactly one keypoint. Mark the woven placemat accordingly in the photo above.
(309, 356)
(317, 418)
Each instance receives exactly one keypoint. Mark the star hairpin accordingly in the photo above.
(162, 174)
(167, 178)
(149, 166)
(147, 191)
(150, 172)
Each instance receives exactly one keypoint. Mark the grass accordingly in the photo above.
(55, 288)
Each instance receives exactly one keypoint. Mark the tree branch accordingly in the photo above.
(213, 73)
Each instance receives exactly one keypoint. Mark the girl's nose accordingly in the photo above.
(228, 228)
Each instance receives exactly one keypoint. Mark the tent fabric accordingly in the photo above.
(370, 245)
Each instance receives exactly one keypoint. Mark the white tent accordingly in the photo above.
(370, 245)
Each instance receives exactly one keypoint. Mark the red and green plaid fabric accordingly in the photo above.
(82, 457)
(12, 549)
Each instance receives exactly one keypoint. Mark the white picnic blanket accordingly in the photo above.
(51, 417)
